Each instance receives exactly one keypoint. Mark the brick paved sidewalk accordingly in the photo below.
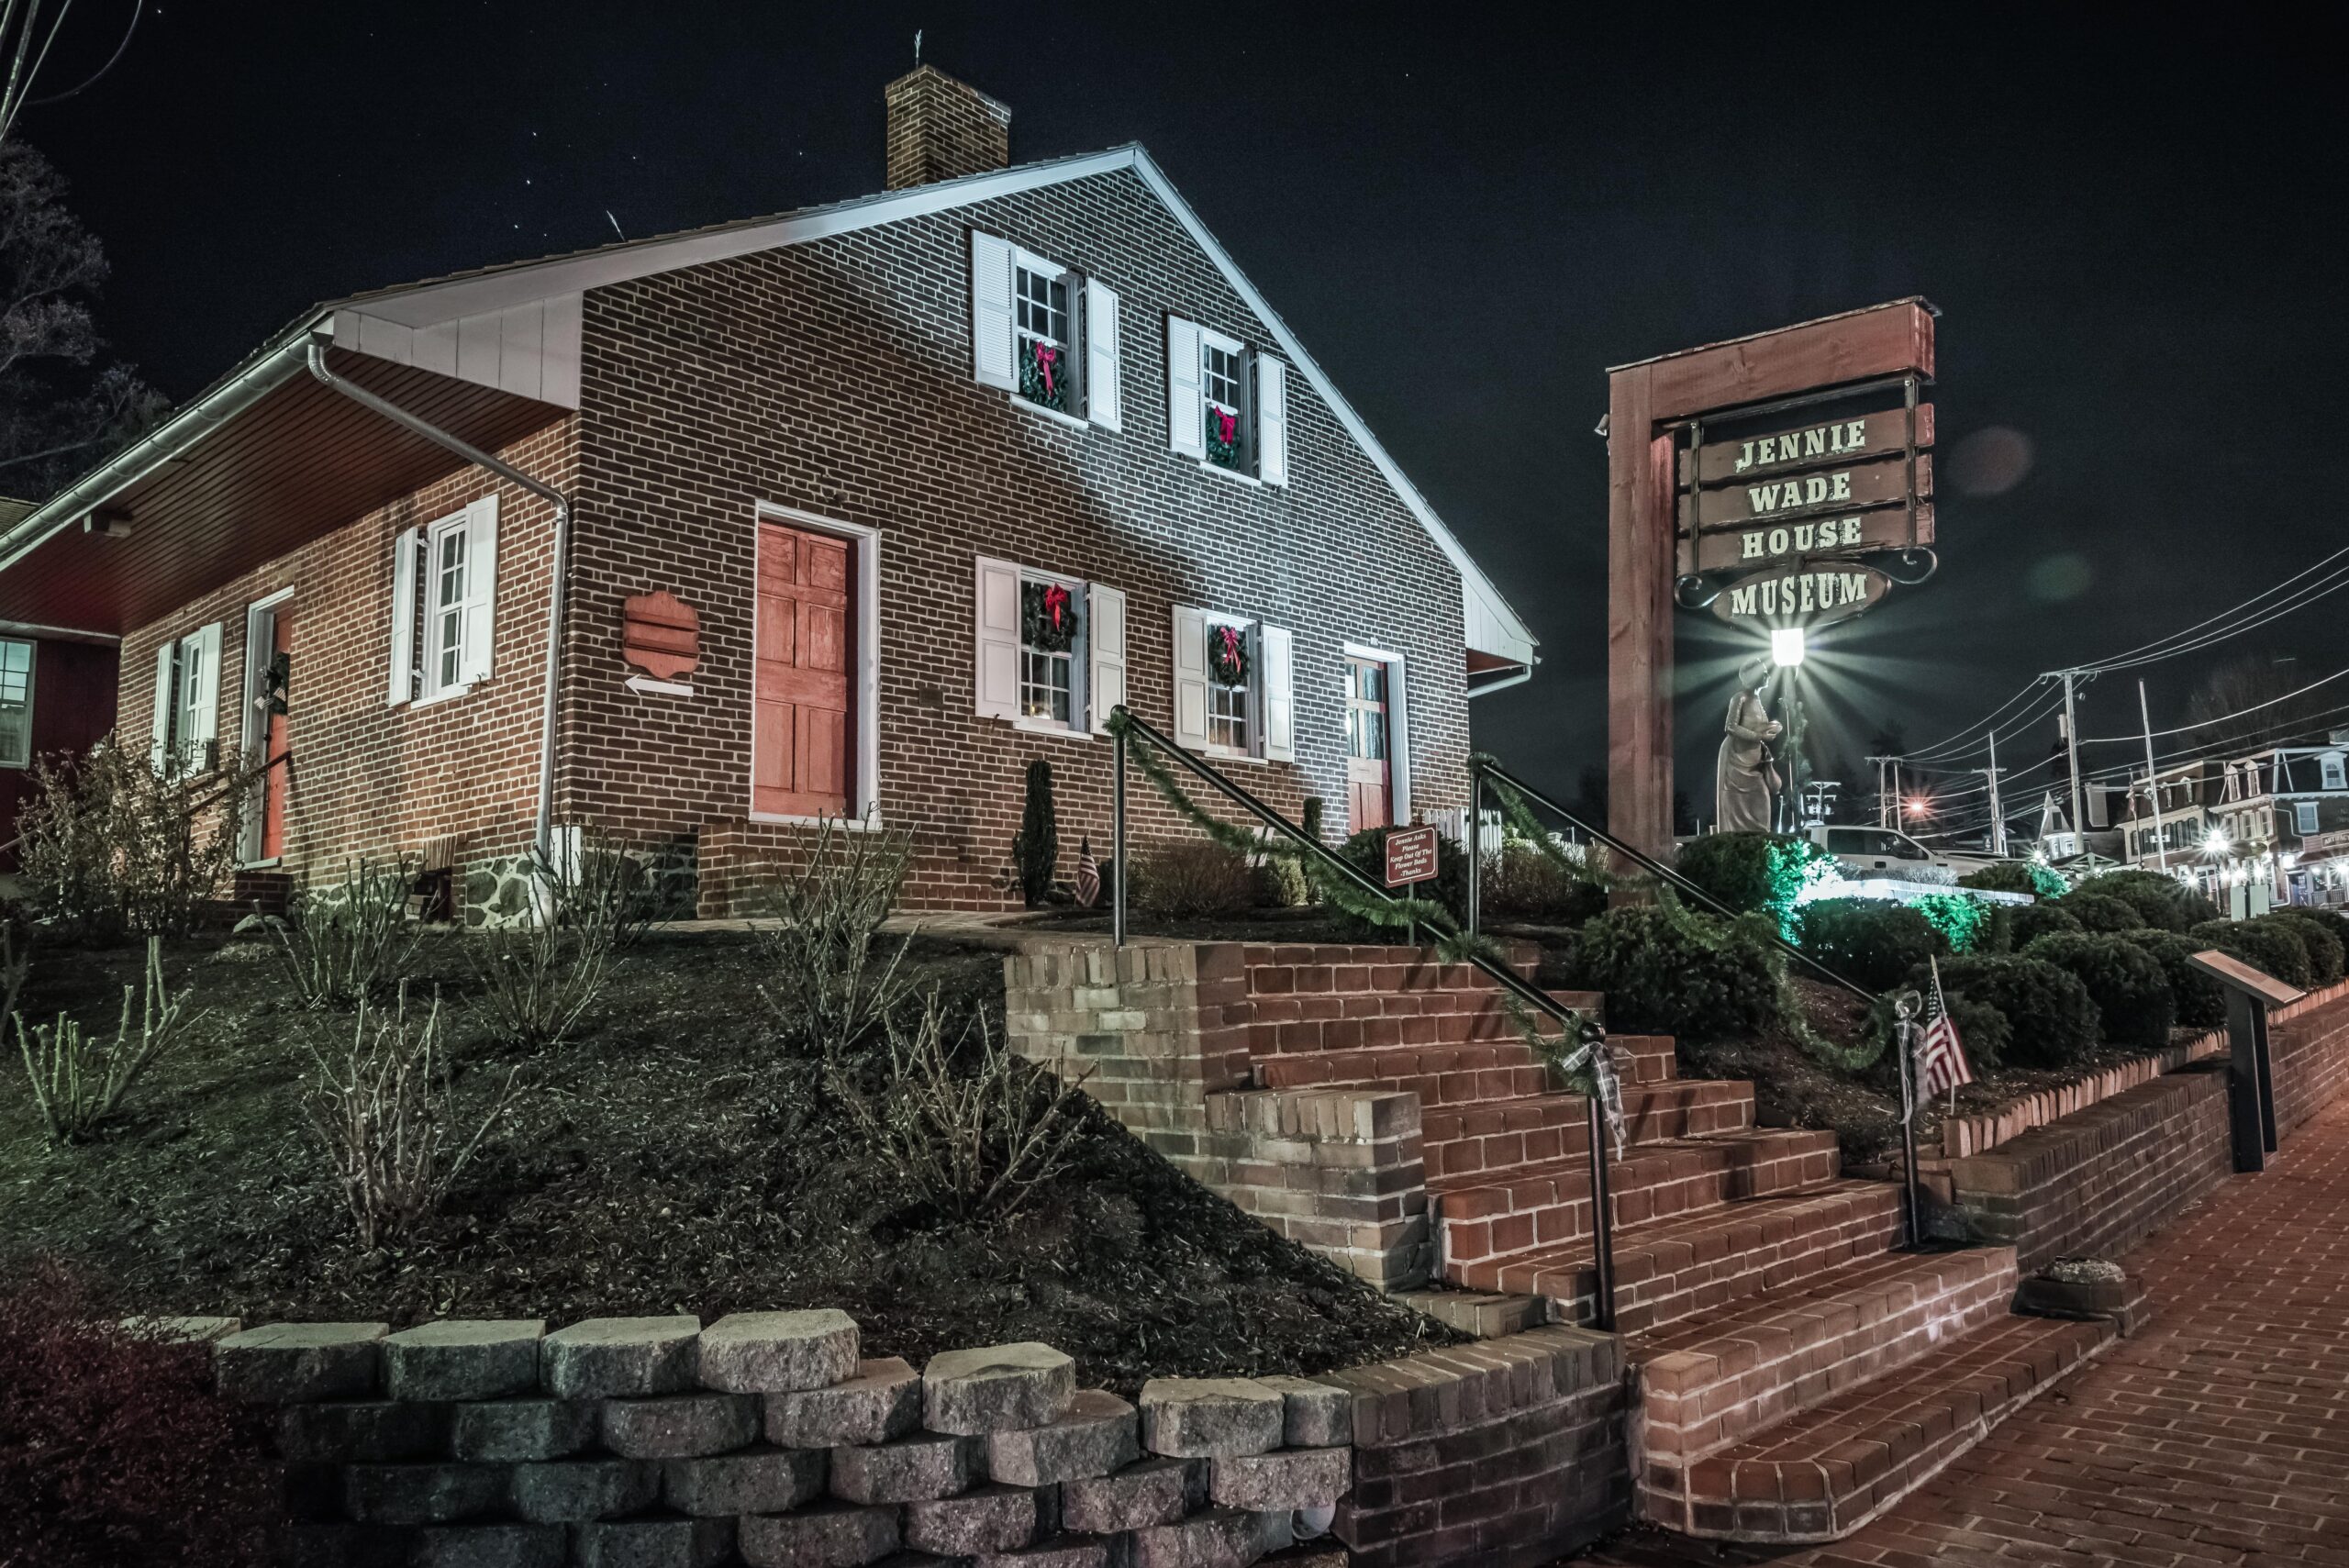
(2218, 1436)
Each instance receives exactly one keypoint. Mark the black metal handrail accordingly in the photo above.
(1587, 1030)
(1483, 769)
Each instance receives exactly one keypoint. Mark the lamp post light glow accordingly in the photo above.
(1785, 646)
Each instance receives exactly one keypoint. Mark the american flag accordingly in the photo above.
(1941, 1055)
(1088, 874)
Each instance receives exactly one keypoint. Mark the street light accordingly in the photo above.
(1916, 807)
(2214, 842)
(1785, 646)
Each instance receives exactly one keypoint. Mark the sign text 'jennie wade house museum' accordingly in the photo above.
(850, 512)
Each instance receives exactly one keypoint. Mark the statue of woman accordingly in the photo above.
(1747, 778)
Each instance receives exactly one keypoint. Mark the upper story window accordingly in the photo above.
(1050, 650)
(2332, 767)
(15, 703)
(187, 702)
(1044, 332)
(1227, 403)
(2304, 818)
(444, 594)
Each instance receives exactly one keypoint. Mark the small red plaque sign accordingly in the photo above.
(1411, 855)
(661, 635)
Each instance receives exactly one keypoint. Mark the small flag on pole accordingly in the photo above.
(1941, 1055)
(1088, 874)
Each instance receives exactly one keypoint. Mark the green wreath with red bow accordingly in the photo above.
(1043, 375)
(1223, 437)
(1047, 618)
(1228, 655)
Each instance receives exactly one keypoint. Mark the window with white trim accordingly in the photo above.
(1234, 685)
(2332, 767)
(1230, 645)
(1051, 650)
(444, 588)
(16, 702)
(1044, 332)
(1227, 403)
(1223, 383)
(2304, 818)
(187, 703)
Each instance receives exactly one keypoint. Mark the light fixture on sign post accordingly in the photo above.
(1785, 646)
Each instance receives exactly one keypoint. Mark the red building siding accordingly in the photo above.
(74, 699)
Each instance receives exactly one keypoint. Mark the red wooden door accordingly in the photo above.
(275, 739)
(803, 744)
(1369, 776)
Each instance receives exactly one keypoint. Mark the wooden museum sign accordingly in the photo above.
(1780, 480)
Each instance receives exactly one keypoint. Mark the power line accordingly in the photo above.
(2212, 723)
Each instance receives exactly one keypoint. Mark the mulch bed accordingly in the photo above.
(667, 1161)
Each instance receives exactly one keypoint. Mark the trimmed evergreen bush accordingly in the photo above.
(2273, 949)
(1672, 971)
(2162, 902)
(2016, 876)
(2100, 912)
(1036, 851)
(1367, 852)
(2325, 951)
(1750, 872)
(2029, 922)
(2051, 1017)
(2201, 1003)
(1982, 1029)
(1870, 941)
(2127, 985)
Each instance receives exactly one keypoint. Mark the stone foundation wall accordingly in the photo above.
(770, 1439)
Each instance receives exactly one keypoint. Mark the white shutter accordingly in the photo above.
(1190, 677)
(204, 699)
(405, 551)
(1278, 685)
(1101, 354)
(1398, 743)
(991, 261)
(998, 660)
(1272, 420)
(164, 658)
(1186, 421)
(481, 590)
(1105, 643)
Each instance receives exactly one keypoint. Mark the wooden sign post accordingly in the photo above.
(1761, 503)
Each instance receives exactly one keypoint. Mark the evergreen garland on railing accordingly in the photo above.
(1517, 818)
(1452, 943)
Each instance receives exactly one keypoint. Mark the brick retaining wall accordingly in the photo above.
(767, 1439)
(2307, 1044)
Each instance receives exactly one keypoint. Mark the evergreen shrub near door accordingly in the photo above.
(1037, 848)
(2052, 1018)
(1367, 852)
(1870, 941)
(2131, 991)
(1671, 971)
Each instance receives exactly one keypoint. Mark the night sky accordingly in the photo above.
(2134, 240)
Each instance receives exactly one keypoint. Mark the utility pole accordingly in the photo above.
(2152, 790)
(1998, 817)
(1899, 798)
(2072, 741)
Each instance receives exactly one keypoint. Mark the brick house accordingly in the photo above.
(850, 512)
(56, 695)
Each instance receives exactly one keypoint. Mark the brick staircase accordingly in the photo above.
(1796, 1373)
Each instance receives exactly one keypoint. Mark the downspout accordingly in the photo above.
(543, 832)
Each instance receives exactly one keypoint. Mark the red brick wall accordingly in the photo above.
(2309, 1055)
(834, 377)
(367, 778)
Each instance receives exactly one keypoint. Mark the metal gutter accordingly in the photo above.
(266, 371)
(542, 833)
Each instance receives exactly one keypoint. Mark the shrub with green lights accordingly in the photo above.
(1756, 874)
(1871, 941)
(2029, 922)
(2324, 949)
(2201, 1003)
(2097, 912)
(2275, 950)
(2052, 1018)
(1966, 924)
(2016, 876)
(1667, 969)
(2127, 985)
(2162, 902)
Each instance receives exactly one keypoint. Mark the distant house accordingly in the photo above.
(2285, 814)
(57, 693)
(849, 512)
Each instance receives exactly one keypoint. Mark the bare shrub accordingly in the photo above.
(349, 944)
(829, 986)
(79, 1081)
(976, 1138)
(1194, 877)
(113, 842)
(384, 1113)
(539, 979)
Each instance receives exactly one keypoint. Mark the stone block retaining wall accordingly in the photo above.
(768, 1439)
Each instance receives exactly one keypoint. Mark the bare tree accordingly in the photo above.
(2245, 700)
(59, 410)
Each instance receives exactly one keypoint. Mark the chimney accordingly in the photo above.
(940, 129)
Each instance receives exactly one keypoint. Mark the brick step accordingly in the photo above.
(1672, 1268)
(1821, 1475)
(1538, 1128)
(1487, 1215)
(1310, 968)
(1647, 1058)
(1716, 1379)
(1305, 1025)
